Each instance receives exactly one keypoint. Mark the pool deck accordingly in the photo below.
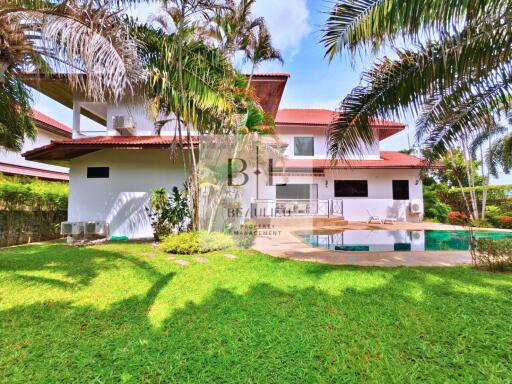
(282, 242)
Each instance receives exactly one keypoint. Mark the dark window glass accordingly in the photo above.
(400, 189)
(402, 247)
(304, 146)
(98, 172)
(351, 188)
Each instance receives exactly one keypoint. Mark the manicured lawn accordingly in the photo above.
(125, 313)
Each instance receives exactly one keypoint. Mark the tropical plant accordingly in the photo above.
(458, 71)
(75, 37)
(260, 49)
(233, 26)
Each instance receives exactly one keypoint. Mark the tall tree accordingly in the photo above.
(260, 49)
(452, 79)
(74, 37)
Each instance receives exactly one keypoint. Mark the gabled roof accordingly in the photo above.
(47, 123)
(389, 160)
(324, 117)
(12, 169)
(70, 148)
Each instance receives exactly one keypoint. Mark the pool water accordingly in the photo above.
(395, 241)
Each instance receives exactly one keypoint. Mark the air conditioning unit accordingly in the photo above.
(71, 228)
(96, 228)
(124, 125)
(415, 207)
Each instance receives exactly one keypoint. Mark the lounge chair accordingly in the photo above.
(380, 220)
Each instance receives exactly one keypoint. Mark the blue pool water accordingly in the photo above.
(394, 241)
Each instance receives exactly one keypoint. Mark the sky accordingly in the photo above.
(315, 82)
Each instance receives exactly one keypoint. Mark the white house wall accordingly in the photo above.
(319, 134)
(121, 199)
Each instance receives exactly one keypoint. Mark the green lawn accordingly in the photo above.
(125, 313)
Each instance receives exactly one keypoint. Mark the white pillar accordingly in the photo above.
(76, 119)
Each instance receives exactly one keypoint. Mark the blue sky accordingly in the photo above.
(315, 83)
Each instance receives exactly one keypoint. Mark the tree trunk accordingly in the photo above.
(250, 77)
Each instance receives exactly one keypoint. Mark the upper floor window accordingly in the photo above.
(98, 172)
(400, 189)
(304, 146)
(350, 188)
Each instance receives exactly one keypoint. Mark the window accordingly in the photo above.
(98, 172)
(304, 146)
(350, 188)
(297, 191)
(400, 189)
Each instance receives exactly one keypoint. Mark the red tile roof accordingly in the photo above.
(270, 74)
(46, 122)
(12, 169)
(324, 117)
(389, 159)
(70, 148)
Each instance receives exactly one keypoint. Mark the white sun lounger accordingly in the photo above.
(380, 220)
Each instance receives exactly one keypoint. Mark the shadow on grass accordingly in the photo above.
(80, 264)
(417, 326)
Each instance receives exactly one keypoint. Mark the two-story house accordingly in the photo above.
(113, 171)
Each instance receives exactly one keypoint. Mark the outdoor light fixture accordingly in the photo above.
(417, 182)
(326, 183)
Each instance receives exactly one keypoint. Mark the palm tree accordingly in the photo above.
(233, 26)
(188, 79)
(73, 36)
(476, 149)
(452, 80)
(260, 49)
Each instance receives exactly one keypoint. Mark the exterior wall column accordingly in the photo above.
(76, 118)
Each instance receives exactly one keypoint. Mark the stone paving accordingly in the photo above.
(286, 244)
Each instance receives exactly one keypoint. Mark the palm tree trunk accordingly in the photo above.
(486, 182)
(251, 76)
(471, 181)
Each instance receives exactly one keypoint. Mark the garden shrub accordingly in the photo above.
(481, 223)
(493, 254)
(245, 236)
(438, 212)
(457, 218)
(492, 213)
(188, 243)
(505, 222)
(168, 213)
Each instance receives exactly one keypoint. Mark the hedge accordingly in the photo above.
(18, 194)
(31, 209)
(498, 195)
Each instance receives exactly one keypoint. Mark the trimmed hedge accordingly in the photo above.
(31, 210)
(17, 194)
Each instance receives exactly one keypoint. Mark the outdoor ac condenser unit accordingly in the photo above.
(96, 228)
(72, 228)
(124, 125)
(415, 207)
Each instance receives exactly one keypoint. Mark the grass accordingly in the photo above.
(126, 313)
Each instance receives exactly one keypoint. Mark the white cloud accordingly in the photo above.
(288, 22)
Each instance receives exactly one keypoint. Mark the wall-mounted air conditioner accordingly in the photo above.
(99, 228)
(415, 207)
(124, 125)
(72, 228)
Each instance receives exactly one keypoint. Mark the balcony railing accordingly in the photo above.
(297, 207)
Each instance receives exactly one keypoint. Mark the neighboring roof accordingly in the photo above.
(70, 148)
(389, 160)
(324, 117)
(11, 169)
(268, 89)
(47, 123)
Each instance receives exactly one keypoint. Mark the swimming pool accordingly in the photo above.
(395, 241)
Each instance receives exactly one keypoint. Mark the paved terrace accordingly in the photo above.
(282, 241)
